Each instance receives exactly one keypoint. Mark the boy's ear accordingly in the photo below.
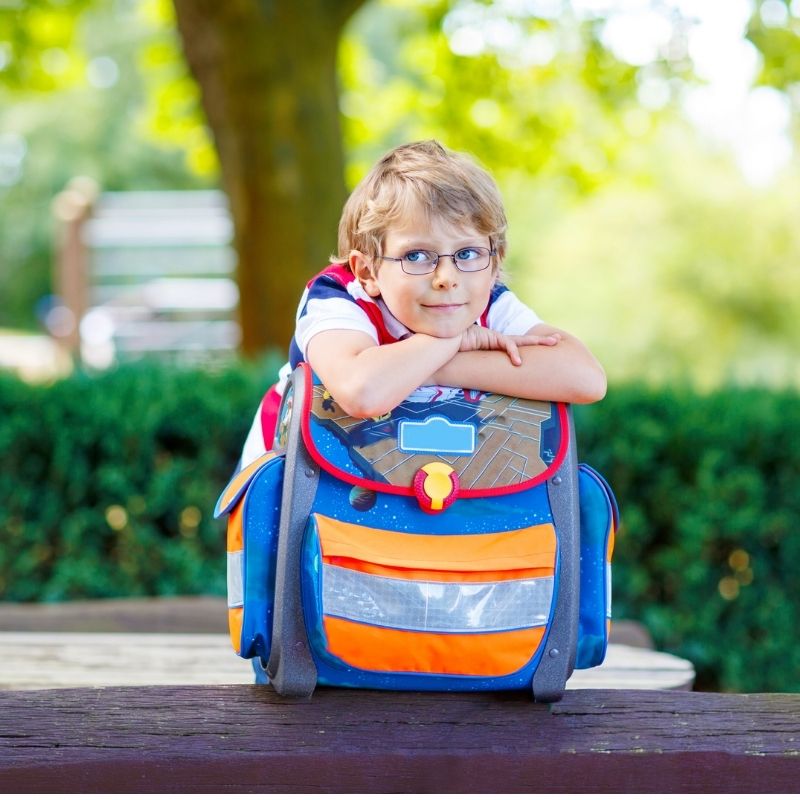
(361, 267)
(496, 272)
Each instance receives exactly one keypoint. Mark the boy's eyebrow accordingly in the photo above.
(426, 244)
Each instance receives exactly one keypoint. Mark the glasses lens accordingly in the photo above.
(473, 259)
(419, 262)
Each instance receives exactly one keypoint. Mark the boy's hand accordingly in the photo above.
(477, 338)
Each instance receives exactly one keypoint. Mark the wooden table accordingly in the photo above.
(183, 641)
(63, 660)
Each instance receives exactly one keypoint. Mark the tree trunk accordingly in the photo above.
(267, 75)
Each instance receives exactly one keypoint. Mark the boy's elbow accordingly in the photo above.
(360, 401)
(592, 387)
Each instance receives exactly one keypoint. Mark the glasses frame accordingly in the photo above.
(434, 264)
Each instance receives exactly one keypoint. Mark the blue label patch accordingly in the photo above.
(436, 434)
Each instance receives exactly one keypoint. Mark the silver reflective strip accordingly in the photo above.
(430, 606)
(608, 589)
(235, 588)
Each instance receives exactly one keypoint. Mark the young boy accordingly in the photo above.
(414, 299)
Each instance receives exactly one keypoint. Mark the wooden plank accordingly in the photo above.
(65, 660)
(627, 667)
(176, 295)
(112, 266)
(157, 335)
(131, 238)
(247, 739)
(194, 614)
(198, 201)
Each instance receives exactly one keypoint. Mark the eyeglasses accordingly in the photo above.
(423, 262)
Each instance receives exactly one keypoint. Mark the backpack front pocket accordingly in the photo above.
(384, 601)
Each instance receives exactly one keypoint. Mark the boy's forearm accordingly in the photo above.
(379, 378)
(567, 372)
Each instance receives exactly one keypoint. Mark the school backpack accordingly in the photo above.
(454, 544)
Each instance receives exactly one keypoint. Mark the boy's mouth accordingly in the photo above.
(444, 307)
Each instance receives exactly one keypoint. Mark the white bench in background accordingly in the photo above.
(145, 273)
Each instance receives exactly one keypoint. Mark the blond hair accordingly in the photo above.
(421, 178)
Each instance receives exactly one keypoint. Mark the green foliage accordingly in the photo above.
(173, 114)
(37, 44)
(707, 551)
(676, 269)
(92, 124)
(108, 483)
(524, 92)
(625, 226)
(778, 41)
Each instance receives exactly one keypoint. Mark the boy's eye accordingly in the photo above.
(418, 256)
(468, 254)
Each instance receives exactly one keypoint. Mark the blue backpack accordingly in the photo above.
(454, 544)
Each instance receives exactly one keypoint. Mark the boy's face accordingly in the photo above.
(443, 303)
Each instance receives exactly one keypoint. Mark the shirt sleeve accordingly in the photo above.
(254, 444)
(508, 314)
(328, 305)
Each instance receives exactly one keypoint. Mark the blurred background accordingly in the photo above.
(172, 174)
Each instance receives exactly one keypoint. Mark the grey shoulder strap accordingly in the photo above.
(558, 658)
(291, 667)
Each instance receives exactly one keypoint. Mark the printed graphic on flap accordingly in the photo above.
(491, 441)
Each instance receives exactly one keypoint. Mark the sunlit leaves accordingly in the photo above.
(174, 115)
(521, 90)
(37, 44)
(94, 125)
(45, 47)
(775, 30)
(675, 270)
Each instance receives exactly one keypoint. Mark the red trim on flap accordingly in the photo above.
(408, 491)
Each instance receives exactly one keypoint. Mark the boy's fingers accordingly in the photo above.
(549, 340)
(513, 352)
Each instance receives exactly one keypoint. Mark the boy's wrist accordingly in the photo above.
(447, 346)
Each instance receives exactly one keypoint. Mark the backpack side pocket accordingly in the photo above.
(252, 500)
(599, 522)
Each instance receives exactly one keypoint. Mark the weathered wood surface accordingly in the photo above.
(65, 660)
(245, 738)
(71, 660)
(90, 650)
(196, 614)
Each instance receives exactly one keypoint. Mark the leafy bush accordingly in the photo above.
(108, 483)
(707, 556)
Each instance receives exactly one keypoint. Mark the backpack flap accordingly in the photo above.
(439, 444)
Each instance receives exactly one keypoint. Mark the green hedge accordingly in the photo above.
(108, 483)
(708, 555)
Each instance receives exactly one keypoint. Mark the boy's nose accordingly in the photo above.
(446, 272)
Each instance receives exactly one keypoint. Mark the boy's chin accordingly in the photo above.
(444, 331)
